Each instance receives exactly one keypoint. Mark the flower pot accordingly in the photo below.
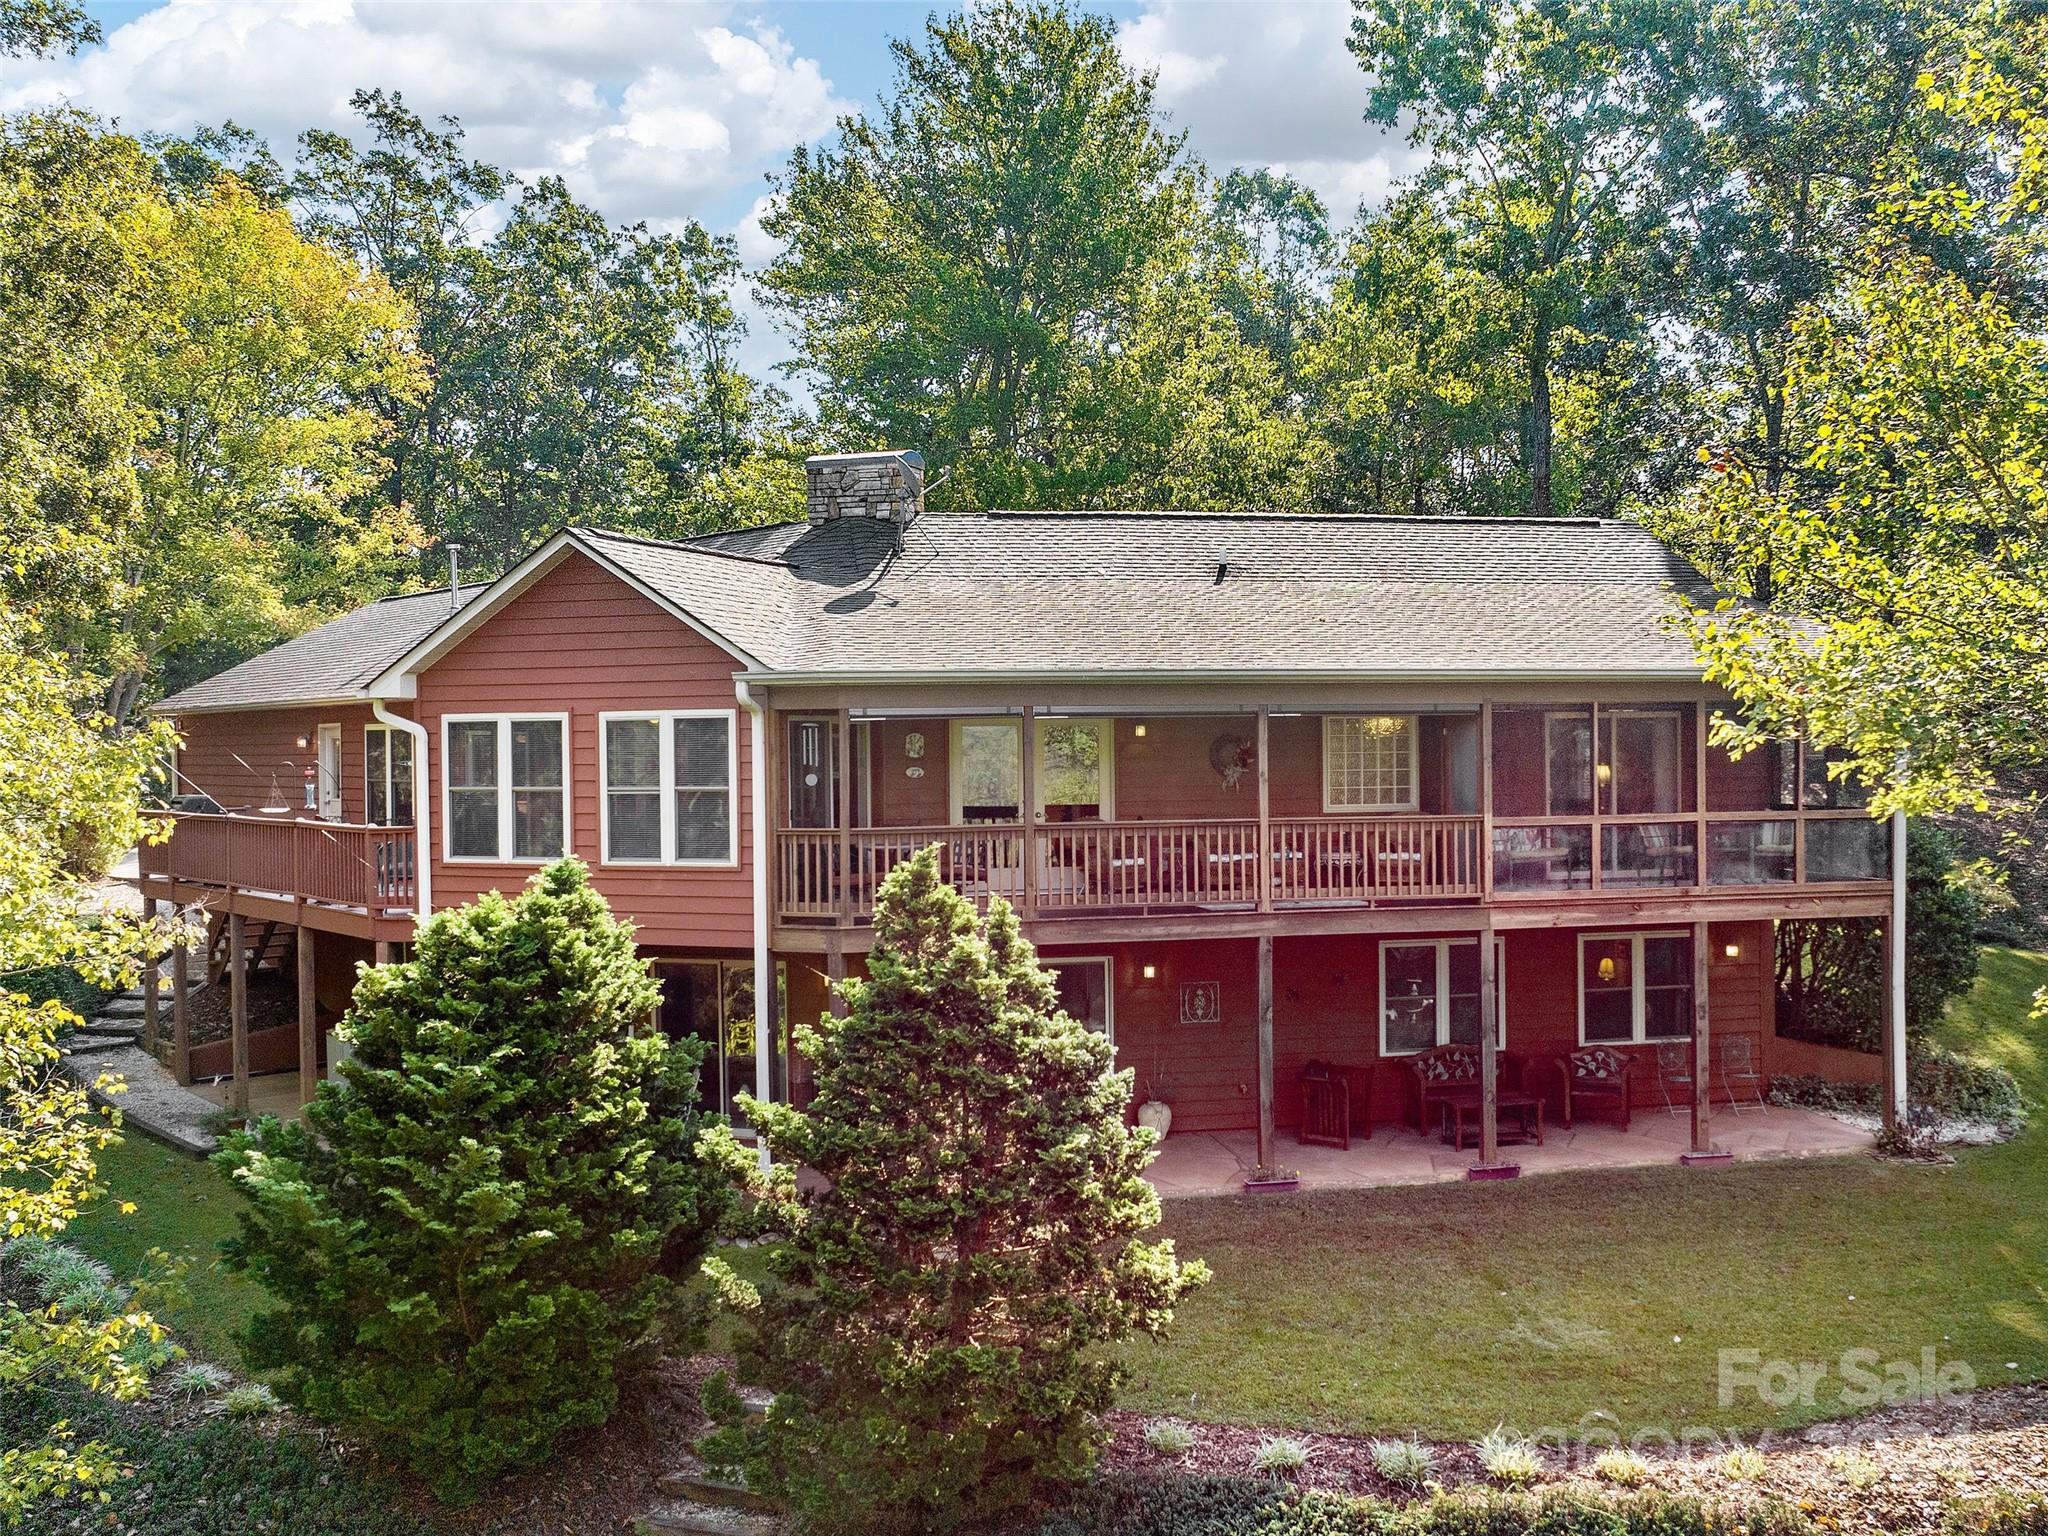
(1157, 1115)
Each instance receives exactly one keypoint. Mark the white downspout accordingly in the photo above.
(422, 802)
(764, 975)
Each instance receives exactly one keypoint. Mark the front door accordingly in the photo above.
(330, 772)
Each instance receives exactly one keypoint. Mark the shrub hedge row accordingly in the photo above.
(1236, 1506)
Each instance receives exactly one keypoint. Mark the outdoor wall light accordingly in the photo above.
(1150, 972)
(1732, 951)
(1138, 730)
(304, 743)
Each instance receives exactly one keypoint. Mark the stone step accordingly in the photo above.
(105, 1024)
(92, 1043)
(692, 1483)
(123, 1007)
(687, 1519)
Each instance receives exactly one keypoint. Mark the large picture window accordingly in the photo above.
(1368, 762)
(669, 787)
(505, 779)
(1634, 987)
(1429, 994)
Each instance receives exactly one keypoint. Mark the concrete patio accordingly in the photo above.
(1216, 1162)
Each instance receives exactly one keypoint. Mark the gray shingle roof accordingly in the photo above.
(1079, 593)
(332, 662)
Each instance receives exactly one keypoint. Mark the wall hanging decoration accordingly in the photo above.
(1232, 757)
(1201, 1002)
(913, 743)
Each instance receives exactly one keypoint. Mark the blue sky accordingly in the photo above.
(666, 110)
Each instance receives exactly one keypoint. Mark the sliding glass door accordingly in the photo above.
(713, 1001)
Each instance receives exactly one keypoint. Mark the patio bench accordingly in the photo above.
(1336, 1104)
(1449, 1071)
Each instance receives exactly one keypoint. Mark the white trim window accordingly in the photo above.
(387, 776)
(1369, 762)
(1634, 988)
(1429, 994)
(1087, 990)
(670, 787)
(504, 788)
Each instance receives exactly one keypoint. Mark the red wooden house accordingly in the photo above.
(1266, 790)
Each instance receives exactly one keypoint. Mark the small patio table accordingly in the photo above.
(1463, 1104)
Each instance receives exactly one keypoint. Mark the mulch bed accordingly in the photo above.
(1894, 1472)
(272, 1001)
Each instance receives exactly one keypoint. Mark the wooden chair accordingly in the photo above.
(1739, 1065)
(1336, 1104)
(1597, 1075)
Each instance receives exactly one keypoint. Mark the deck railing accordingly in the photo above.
(374, 868)
(1144, 865)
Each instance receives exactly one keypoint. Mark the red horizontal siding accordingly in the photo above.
(580, 641)
(236, 757)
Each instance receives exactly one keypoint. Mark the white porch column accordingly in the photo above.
(1895, 1095)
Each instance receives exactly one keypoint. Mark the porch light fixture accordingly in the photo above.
(304, 743)
(1138, 729)
(1150, 972)
(1732, 950)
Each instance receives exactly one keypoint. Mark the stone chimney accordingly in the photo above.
(887, 486)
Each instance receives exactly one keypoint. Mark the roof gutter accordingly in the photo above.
(764, 978)
(1232, 675)
(422, 806)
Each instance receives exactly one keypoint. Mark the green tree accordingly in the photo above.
(1802, 109)
(1905, 548)
(485, 1227)
(70, 795)
(1541, 120)
(1275, 249)
(581, 372)
(963, 268)
(1409, 382)
(935, 1333)
(34, 27)
(1832, 976)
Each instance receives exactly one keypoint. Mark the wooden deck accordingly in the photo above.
(332, 875)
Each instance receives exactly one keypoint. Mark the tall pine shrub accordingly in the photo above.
(936, 1333)
(482, 1231)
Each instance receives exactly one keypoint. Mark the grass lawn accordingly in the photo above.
(1450, 1308)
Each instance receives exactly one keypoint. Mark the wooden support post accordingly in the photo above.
(386, 952)
(1486, 798)
(181, 1014)
(1267, 852)
(1266, 1052)
(1702, 1051)
(1027, 810)
(842, 813)
(1699, 795)
(238, 1011)
(152, 978)
(1489, 1055)
(309, 1021)
(835, 973)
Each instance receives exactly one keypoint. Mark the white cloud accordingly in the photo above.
(651, 111)
(1270, 84)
